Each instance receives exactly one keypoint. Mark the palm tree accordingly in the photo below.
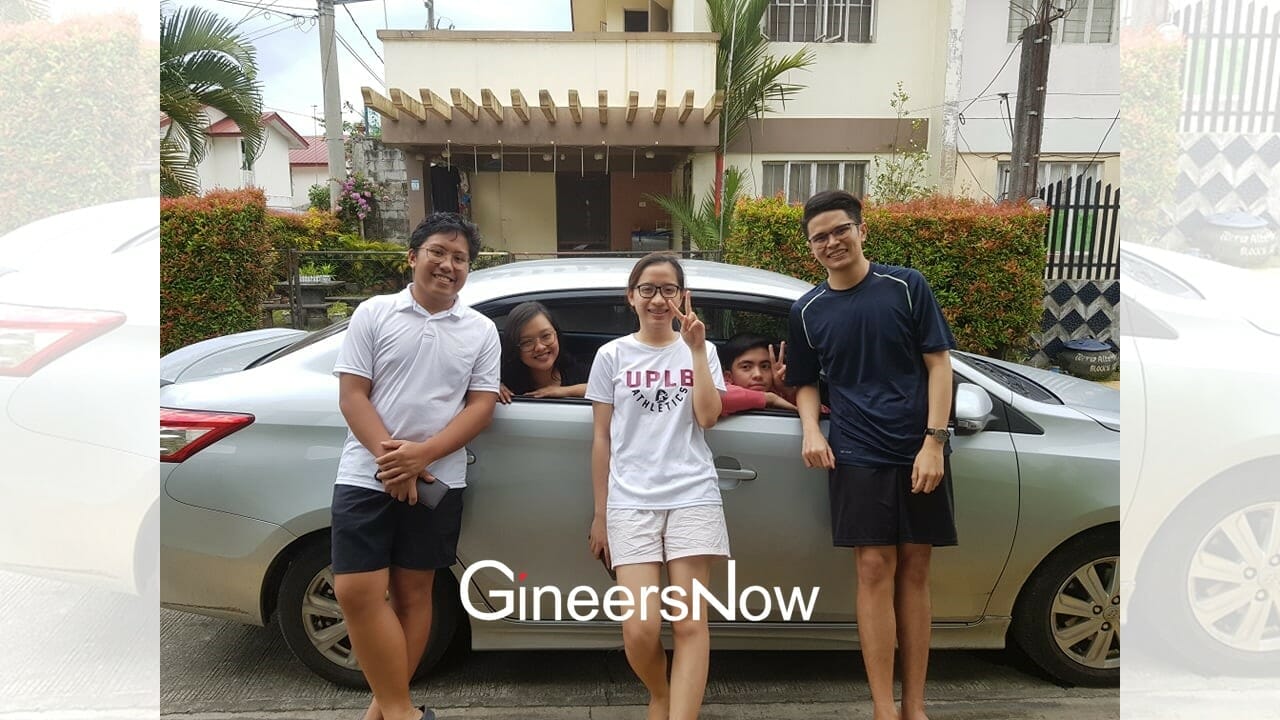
(204, 62)
(705, 225)
(749, 75)
(18, 11)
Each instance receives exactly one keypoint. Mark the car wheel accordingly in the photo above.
(315, 631)
(1218, 597)
(1067, 619)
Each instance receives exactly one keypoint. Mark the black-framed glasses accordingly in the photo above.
(839, 232)
(648, 290)
(546, 338)
(438, 254)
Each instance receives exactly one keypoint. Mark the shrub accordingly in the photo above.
(70, 98)
(1151, 100)
(984, 261)
(216, 265)
(301, 231)
(318, 196)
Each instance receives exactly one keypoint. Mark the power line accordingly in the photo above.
(361, 31)
(1103, 142)
(995, 77)
(343, 41)
(260, 8)
(271, 29)
(304, 27)
(966, 165)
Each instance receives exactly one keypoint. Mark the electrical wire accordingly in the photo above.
(361, 31)
(995, 77)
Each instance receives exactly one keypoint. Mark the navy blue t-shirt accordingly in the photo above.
(869, 340)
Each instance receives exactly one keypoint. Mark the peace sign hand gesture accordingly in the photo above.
(779, 364)
(692, 329)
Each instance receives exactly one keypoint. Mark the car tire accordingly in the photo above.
(1049, 623)
(306, 609)
(1179, 592)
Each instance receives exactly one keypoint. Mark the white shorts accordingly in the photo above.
(644, 536)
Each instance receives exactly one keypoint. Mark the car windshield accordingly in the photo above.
(1016, 382)
(310, 338)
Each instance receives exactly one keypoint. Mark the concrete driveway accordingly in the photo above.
(213, 669)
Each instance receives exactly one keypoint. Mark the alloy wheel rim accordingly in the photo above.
(323, 621)
(1233, 583)
(1085, 617)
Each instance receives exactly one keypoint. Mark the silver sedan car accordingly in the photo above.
(249, 459)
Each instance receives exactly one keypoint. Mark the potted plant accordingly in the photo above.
(312, 273)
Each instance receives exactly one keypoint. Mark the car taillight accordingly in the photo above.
(32, 337)
(184, 433)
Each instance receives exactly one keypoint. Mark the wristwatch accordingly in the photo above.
(939, 434)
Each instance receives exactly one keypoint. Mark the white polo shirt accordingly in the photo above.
(422, 366)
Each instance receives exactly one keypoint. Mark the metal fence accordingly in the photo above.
(1080, 237)
(315, 288)
(1229, 71)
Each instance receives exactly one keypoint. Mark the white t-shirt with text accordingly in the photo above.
(659, 459)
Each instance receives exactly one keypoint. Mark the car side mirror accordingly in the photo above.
(973, 409)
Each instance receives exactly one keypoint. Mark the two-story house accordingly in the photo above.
(552, 140)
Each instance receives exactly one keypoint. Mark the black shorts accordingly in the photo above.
(372, 531)
(875, 506)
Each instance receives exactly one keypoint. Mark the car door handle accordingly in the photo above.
(734, 474)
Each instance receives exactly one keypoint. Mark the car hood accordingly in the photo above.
(1093, 399)
(225, 354)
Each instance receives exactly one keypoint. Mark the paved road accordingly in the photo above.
(215, 670)
(68, 652)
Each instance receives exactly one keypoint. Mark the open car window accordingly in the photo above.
(589, 319)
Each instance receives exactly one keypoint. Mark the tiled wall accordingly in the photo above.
(1076, 309)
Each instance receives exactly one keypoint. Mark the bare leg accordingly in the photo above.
(692, 640)
(877, 629)
(377, 639)
(411, 601)
(642, 638)
(914, 612)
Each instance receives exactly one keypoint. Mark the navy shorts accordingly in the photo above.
(875, 506)
(372, 531)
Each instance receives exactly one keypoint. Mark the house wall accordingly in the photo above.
(271, 170)
(515, 211)
(587, 62)
(221, 165)
(304, 176)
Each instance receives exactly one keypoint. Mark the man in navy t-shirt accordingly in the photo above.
(878, 335)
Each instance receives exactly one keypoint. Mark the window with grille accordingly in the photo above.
(1048, 173)
(797, 181)
(1086, 21)
(819, 21)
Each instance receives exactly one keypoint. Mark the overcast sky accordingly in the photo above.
(289, 47)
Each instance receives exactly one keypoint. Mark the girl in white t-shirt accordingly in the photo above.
(656, 498)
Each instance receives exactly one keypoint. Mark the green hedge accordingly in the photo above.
(984, 261)
(216, 265)
(73, 115)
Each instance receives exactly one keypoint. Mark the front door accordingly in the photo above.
(582, 212)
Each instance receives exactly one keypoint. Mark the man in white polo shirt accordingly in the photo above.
(418, 379)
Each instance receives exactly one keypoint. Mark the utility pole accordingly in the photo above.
(332, 101)
(431, 13)
(1033, 77)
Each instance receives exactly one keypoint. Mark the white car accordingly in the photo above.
(79, 309)
(1200, 453)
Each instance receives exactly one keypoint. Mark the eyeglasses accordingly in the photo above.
(546, 338)
(438, 254)
(648, 290)
(840, 232)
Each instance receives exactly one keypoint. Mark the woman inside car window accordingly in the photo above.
(532, 363)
